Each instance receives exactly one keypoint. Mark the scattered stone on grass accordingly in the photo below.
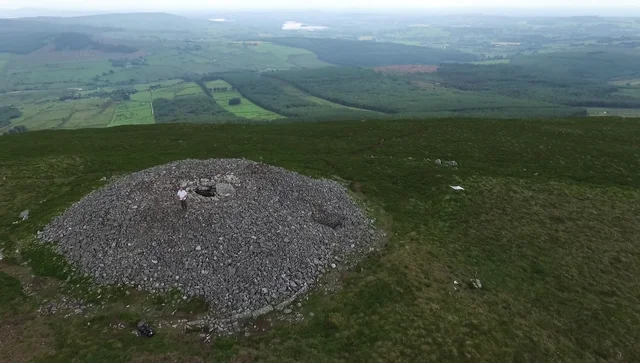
(64, 305)
(24, 215)
(260, 238)
(446, 163)
(145, 329)
(197, 326)
(475, 283)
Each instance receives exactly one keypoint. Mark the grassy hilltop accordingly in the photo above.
(548, 221)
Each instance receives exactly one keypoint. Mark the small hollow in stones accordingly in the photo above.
(207, 192)
(331, 220)
(253, 237)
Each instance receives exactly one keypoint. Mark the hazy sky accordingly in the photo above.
(297, 4)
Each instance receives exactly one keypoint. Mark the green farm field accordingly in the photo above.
(289, 56)
(55, 75)
(245, 109)
(132, 113)
(29, 97)
(227, 56)
(190, 89)
(5, 58)
(504, 69)
(143, 74)
(631, 82)
(168, 89)
(71, 114)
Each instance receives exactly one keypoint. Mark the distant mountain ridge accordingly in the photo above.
(37, 12)
(144, 20)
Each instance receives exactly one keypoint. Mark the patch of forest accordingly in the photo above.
(22, 43)
(373, 54)
(8, 113)
(404, 96)
(20, 129)
(597, 66)
(527, 83)
(196, 109)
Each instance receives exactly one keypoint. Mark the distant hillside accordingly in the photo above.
(33, 12)
(40, 25)
(128, 21)
(24, 36)
(80, 41)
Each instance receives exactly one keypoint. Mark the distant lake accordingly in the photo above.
(294, 25)
(220, 20)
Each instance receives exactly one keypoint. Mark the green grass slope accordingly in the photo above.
(548, 221)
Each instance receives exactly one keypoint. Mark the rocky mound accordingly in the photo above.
(252, 238)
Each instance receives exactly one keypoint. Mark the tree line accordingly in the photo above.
(8, 113)
(528, 83)
(198, 109)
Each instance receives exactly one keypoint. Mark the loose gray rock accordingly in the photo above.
(197, 326)
(475, 283)
(266, 229)
(145, 329)
(446, 163)
(225, 190)
(24, 215)
(265, 310)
